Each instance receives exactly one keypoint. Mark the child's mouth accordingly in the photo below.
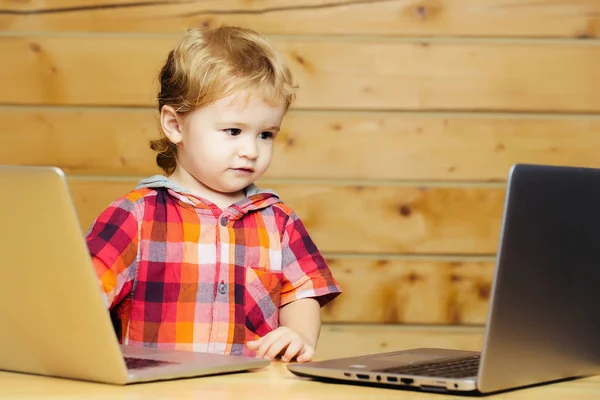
(244, 170)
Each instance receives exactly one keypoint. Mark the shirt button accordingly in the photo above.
(224, 221)
(222, 288)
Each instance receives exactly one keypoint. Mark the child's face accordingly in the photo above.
(228, 144)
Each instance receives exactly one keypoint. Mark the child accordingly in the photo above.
(201, 259)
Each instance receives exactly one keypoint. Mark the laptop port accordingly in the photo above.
(362, 376)
(392, 379)
(432, 388)
(407, 381)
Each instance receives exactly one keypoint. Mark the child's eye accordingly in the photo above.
(266, 135)
(232, 131)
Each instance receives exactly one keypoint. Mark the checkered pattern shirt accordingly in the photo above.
(179, 272)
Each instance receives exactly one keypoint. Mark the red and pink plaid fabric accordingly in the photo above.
(179, 272)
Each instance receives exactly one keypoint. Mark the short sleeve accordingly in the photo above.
(305, 272)
(112, 241)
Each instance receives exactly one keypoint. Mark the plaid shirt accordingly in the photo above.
(178, 272)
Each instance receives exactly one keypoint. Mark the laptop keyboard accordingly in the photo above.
(452, 368)
(139, 363)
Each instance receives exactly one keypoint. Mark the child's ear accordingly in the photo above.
(171, 124)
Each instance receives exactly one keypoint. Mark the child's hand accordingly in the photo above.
(274, 343)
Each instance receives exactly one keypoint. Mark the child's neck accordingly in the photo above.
(198, 189)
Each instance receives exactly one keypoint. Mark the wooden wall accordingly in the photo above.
(409, 116)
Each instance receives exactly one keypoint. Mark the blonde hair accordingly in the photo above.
(207, 65)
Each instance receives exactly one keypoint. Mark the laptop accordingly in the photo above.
(53, 318)
(543, 321)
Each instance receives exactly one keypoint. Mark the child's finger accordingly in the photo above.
(294, 348)
(306, 355)
(278, 346)
(254, 344)
(267, 342)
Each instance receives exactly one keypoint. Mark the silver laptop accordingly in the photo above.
(543, 321)
(53, 320)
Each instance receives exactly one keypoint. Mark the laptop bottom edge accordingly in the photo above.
(395, 381)
(135, 377)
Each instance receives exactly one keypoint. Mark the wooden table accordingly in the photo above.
(273, 382)
(276, 383)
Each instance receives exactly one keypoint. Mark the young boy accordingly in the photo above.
(201, 259)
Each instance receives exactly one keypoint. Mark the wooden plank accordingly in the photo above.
(100, 141)
(333, 73)
(359, 145)
(347, 340)
(410, 291)
(492, 18)
(365, 219)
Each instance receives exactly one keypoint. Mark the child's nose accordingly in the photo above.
(249, 149)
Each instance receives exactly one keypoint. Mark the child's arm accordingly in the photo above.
(304, 317)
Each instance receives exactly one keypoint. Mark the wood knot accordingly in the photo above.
(337, 127)
(405, 210)
(382, 263)
(500, 147)
(36, 48)
(484, 292)
(303, 62)
(426, 12)
(421, 11)
(412, 278)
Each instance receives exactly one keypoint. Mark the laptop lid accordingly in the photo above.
(543, 320)
(54, 320)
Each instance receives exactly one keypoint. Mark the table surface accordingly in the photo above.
(272, 382)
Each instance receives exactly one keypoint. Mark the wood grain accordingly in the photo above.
(487, 18)
(314, 145)
(348, 73)
(364, 219)
(410, 291)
